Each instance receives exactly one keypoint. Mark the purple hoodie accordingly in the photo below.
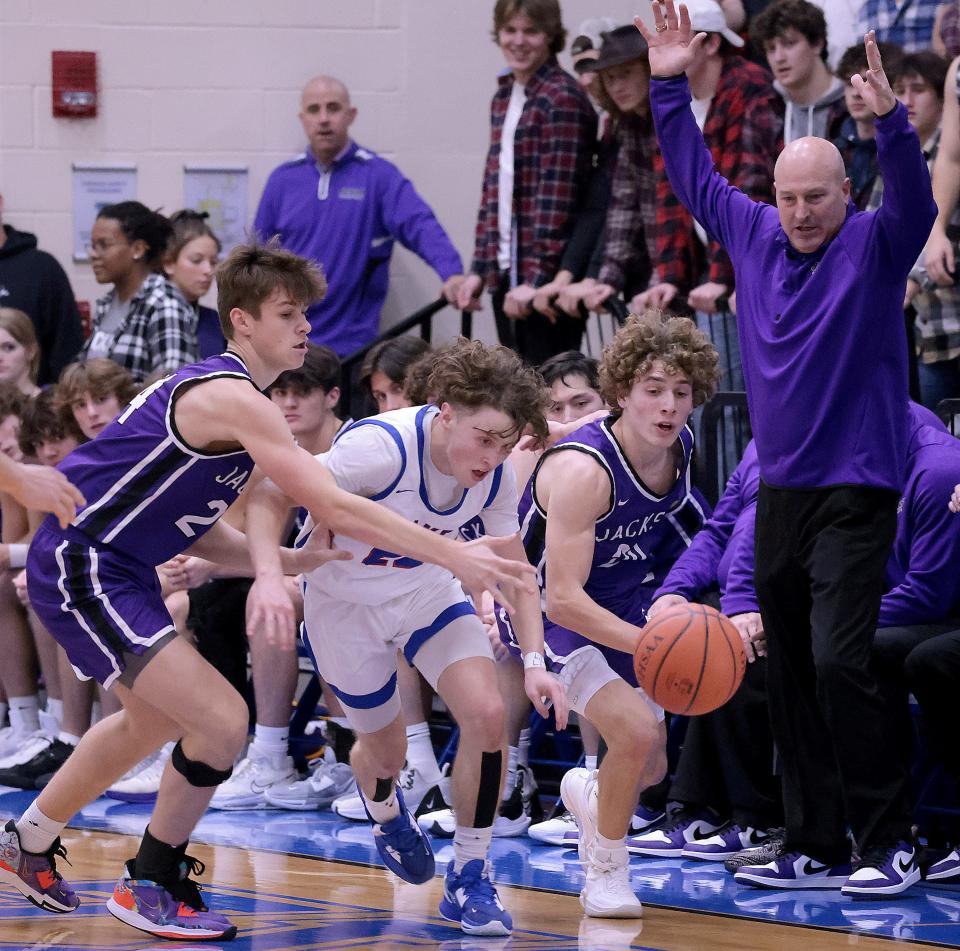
(722, 551)
(821, 334)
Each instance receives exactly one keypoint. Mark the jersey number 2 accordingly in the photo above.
(186, 524)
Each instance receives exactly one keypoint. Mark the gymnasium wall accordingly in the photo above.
(218, 81)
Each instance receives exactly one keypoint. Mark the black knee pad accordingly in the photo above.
(488, 795)
(197, 773)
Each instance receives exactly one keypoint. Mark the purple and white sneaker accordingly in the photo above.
(726, 842)
(947, 870)
(674, 834)
(884, 871)
(174, 912)
(35, 876)
(793, 870)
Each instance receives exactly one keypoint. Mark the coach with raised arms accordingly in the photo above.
(820, 312)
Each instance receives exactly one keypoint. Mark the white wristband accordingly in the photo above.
(17, 555)
(533, 659)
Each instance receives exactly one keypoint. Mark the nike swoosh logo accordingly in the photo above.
(699, 834)
(905, 869)
(813, 868)
(622, 501)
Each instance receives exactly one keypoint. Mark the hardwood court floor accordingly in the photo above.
(294, 882)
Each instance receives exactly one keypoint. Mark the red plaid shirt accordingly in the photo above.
(552, 158)
(741, 131)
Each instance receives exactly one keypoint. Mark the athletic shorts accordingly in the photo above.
(354, 646)
(582, 665)
(101, 606)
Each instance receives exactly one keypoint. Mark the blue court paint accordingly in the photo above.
(928, 913)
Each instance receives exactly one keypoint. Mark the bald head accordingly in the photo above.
(326, 85)
(326, 115)
(812, 192)
(810, 156)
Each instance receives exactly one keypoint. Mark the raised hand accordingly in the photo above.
(673, 45)
(875, 87)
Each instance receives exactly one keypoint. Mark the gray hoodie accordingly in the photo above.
(799, 121)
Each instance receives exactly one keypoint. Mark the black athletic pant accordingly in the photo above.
(922, 659)
(820, 557)
(727, 758)
(535, 337)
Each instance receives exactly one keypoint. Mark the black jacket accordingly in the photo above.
(32, 281)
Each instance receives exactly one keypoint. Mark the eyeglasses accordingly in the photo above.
(102, 247)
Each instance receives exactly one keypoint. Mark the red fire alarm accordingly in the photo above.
(74, 84)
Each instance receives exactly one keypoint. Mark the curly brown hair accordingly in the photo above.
(470, 374)
(651, 336)
(45, 418)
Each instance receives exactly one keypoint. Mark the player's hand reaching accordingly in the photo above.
(481, 567)
(673, 46)
(316, 552)
(544, 691)
(663, 602)
(45, 489)
(270, 613)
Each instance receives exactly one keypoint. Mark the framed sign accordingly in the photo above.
(220, 191)
(94, 186)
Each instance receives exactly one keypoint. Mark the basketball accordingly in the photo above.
(690, 659)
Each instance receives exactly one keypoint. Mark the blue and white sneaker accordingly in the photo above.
(674, 834)
(884, 871)
(403, 846)
(726, 842)
(793, 870)
(946, 871)
(470, 899)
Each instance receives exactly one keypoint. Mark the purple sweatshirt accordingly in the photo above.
(922, 578)
(821, 335)
(721, 553)
(346, 218)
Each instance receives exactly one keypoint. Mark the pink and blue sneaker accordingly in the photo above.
(471, 899)
(35, 876)
(403, 845)
(173, 909)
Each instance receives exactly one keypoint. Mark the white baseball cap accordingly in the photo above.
(706, 16)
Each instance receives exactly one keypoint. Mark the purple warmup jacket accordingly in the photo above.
(821, 335)
(922, 580)
(721, 553)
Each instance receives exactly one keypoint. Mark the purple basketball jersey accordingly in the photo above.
(640, 535)
(149, 494)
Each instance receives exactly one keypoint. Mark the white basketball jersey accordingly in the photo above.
(386, 458)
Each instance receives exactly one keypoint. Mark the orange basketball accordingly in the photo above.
(690, 659)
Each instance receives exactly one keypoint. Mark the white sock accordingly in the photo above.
(68, 738)
(470, 844)
(3, 711)
(420, 754)
(590, 762)
(385, 810)
(272, 740)
(55, 709)
(36, 830)
(523, 747)
(513, 757)
(25, 713)
(610, 850)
